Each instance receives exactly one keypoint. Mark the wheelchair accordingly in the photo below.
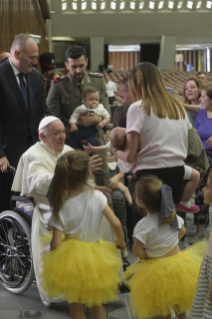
(16, 262)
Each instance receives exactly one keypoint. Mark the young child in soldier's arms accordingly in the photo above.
(91, 105)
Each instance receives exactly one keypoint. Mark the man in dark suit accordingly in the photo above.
(22, 107)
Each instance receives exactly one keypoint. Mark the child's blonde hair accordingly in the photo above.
(71, 172)
(89, 90)
(148, 189)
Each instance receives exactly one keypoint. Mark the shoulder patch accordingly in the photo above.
(98, 75)
(59, 78)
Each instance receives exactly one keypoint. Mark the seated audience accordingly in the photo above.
(203, 126)
(192, 92)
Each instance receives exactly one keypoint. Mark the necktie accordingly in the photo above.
(80, 87)
(24, 90)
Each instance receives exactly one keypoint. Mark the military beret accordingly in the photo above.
(47, 61)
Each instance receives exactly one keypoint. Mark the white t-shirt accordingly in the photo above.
(81, 216)
(163, 142)
(111, 88)
(124, 167)
(100, 110)
(158, 239)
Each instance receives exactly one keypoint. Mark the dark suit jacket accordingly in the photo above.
(17, 125)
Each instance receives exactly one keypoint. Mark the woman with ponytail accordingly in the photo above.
(81, 267)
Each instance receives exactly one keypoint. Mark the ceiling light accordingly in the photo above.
(122, 5)
(199, 3)
(179, 6)
(141, 5)
(84, 5)
(74, 6)
(208, 4)
(113, 5)
(103, 4)
(160, 4)
(189, 4)
(151, 5)
(64, 6)
(171, 4)
(93, 5)
(132, 5)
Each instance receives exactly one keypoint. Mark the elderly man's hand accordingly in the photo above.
(3, 164)
(96, 163)
(87, 120)
(105, 190)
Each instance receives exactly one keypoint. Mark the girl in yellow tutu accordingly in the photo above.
(81, 268)
(164, 278)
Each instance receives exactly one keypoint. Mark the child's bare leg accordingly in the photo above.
(181, 316)
(160, 317)
(98, 312)
(77, 311)
(191, 185)
(185, 204)
(126, 192)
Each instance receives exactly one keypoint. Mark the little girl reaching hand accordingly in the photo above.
(164, 278)
(81, 267)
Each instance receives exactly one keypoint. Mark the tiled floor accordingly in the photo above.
(29, 305)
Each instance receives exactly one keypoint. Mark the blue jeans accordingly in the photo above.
(83, 133)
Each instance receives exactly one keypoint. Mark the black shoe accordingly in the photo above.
(123, 289)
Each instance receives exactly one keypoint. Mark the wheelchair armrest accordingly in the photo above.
(15, 198)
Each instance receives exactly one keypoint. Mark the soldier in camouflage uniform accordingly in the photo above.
(65, 95)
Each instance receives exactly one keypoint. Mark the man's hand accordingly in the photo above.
(96, 163)
(105, 190)
(3, 164)
(87, 120)
(73, 128)
(100, 125)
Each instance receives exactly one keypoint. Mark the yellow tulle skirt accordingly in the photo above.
(160, 285)
(82, 272)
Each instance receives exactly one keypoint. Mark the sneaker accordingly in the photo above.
(123, 288)
(193, 209)
(194, 239)
(124, 254)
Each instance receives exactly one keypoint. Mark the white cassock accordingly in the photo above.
(33, 177)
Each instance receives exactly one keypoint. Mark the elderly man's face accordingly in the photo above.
(124, 95)
(55, 138)
(27, 57)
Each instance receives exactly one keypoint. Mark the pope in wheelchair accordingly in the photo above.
(33, 178)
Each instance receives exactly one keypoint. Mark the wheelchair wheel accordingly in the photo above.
(16, 265)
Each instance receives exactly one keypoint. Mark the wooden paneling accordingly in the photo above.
(21, 16)
(126, 60)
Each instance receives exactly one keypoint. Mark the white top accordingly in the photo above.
(35, 171)
(158, 240)
(81, 216)
(16, 73)
(111, 88)
(163, 142)
(124, 167)
(209, 249)
(100, 110)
